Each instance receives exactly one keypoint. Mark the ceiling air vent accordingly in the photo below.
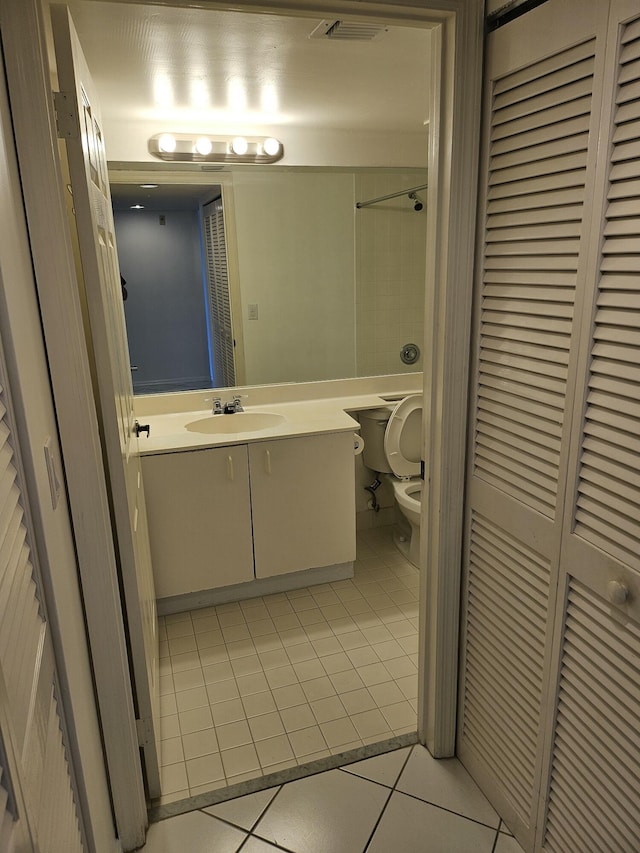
(348, 30)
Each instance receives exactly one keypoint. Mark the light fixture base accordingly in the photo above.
(189, 148)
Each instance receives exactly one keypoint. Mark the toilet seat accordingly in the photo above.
(403, 438)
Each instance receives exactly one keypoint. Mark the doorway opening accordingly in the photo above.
(178, 309)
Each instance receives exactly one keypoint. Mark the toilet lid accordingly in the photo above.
(403, 437)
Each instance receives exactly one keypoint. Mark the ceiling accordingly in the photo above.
(163, 197)
(186, 69)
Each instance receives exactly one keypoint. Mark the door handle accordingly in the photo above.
(267, 461)
(138, 428)
(230, 467)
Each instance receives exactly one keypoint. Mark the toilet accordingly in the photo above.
(392, 446)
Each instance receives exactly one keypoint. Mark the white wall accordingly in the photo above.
(128, 142)
(165, 309)
(296, 263)
(391, 243)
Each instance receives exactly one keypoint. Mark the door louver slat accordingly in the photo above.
(507, 605)
(600, 660)
(610, 457)
(533, 232)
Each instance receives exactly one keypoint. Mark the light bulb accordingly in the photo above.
(167, 143)
(271, 146)
(239, 145)
(204, 146)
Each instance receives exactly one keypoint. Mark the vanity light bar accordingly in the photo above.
(203, 148)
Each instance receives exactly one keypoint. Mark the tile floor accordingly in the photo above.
(402, 800)
(257, 686)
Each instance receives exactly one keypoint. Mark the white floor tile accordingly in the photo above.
(204, 769)
(399, 716)
(196, 697)
(332, 811)
(507, 844)
(171, 751)
(369, 723)
(356, 701)
(173, 777)
(233, 734)
(306, 742)
(339, 732)
(244, 811)
(200, 743)
(263, 668)
(417, 827)
(240, 760)
(188, 679)
(298, 717)
(330, 708)
(274, 750)
(223, 691)
(384, 769)
(266, 726)
(195, 832)
(196, 720)
(445, 782)
(257, 845)
(228, 712)
(256, 704)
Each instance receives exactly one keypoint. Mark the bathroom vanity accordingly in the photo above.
(228, 515)
(251, 503)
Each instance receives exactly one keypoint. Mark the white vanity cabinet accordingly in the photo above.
(223, 516)
(199, 513)
(303, 503)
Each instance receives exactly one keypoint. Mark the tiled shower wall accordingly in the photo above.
(390, 271)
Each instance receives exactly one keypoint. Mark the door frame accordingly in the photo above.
(457, 28)
(29, 83)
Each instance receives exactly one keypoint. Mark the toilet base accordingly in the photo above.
(407, 541)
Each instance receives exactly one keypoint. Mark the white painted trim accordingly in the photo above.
(43, 187)
(451, 207)
(254, 589)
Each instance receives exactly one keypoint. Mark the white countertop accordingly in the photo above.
(169, 433)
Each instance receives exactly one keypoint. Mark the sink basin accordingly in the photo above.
(234, 424)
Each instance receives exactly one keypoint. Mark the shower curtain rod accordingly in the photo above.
(360, 204)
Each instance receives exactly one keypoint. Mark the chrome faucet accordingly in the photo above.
(217, 405)
(235, 405)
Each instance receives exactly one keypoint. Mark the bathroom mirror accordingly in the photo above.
(317, 288)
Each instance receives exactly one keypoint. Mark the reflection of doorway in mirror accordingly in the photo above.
(219, 315)
(160, 251)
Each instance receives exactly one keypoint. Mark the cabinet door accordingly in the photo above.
(303, 504)
(199, 519)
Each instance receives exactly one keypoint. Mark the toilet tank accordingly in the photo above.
(373, 423)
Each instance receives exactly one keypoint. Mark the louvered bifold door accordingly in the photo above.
(220, 320)
(593, 774)
(29, 714)
(539, 160)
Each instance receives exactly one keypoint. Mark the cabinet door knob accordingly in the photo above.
(230, 467)
(617, 592)
(267, 461)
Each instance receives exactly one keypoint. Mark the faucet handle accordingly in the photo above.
(236, 401)
(217, 404)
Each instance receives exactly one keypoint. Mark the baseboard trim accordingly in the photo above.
(253, 589)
